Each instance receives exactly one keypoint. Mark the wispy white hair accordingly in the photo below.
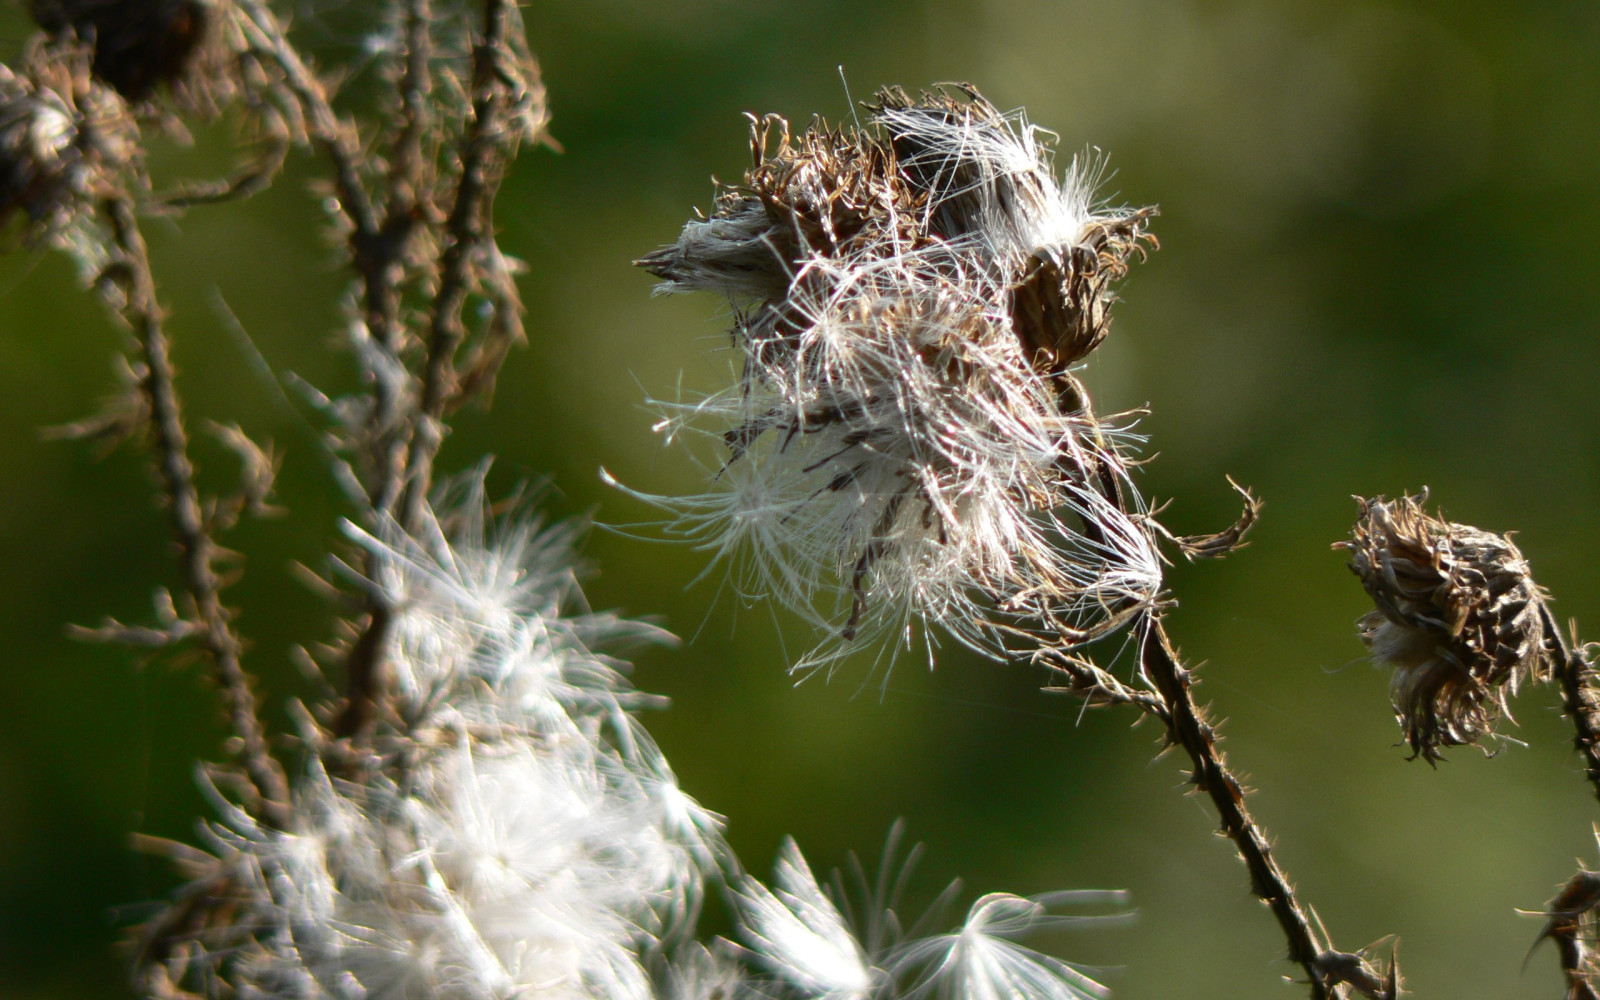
(906, 442)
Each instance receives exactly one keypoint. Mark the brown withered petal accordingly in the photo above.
(1457, 616)
(828, 193)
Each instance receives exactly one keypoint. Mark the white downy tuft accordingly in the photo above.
(906, 442)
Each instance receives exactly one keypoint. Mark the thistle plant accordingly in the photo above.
(907, 445)
(469, 805)
(1462, 623)
(906, 423)
(473, 809)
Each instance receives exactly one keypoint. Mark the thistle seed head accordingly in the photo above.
(138, 44)
(58, 134)
(906, 441)
(1457, 616)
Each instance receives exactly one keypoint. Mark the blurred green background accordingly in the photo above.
(1377, 272)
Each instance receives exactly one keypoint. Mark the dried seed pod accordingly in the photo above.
(1457, 616)
(138, 44)
(1060, 305)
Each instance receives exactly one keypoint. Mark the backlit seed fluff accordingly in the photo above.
(517, 835)
(906, 441)
(1457, 616)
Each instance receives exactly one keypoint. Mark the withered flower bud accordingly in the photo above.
(138, 44)
(1458, 617)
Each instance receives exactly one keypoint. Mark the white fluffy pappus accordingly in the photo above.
(906, 441)
(811, 951)
(519, 835)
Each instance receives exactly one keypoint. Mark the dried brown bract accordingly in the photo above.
(1458, 616)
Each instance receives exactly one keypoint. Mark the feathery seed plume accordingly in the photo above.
(516, 833)
(907, 442)
(519, 833)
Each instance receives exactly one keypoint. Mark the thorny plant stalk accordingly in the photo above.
(1187, 726)
(211, 620)
(907, 448)
(403, 432)
(909, 445)
(482, 816)
(1580, 693)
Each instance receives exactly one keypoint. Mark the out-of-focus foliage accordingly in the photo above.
(1376, 273)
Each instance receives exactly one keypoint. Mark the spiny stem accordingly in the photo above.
(1097, 686)
(1188, 727)
(1568, 914)
(376, 240)
(377, 251)
(413, 439)
(337, 141)
(1579, 694)
(406, 177)
(465, 232)
(198, 550)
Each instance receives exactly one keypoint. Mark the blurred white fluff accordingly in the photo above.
(802, 940)
(520, 834)
(799, 935)
(517, 833)
(906, 441)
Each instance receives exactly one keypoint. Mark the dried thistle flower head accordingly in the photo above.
(906, 441)
(58, 133)
(138, 44)
(1458, 617)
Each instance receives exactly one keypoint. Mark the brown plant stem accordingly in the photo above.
(1580, 695)
(466, 231)
(377, 249)
(1096, 686)
(197, 549)
(406, 177)
(410, 441)
(377, 243)
(1188, 727)
(1573, 956)
(1570, 928)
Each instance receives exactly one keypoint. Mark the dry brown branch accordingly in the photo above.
(212, 621)
(1573, 666)
(1328, 971)
(1570, 925)
(485, 150)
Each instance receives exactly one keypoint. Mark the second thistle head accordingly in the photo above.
(1457, 616)
(906, 441)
